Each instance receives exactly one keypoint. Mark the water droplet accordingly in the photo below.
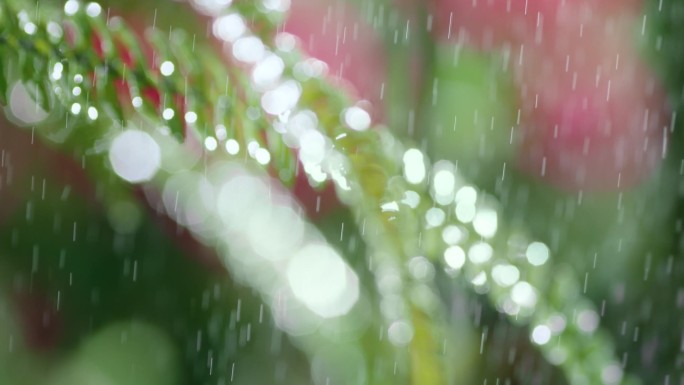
(485, 222)
(400, 333)
(480, 252)
(211, 7)
(268, 71)
(320, 279)
(57, 70)
(229, 27)
(556, 323)
(466, 194)
(313, 147)
(505, 275)
(587, 321)
(166, 68)
(557, 355)
(389, 280)
(454, 257)
(232, 146)
(249, 49)
(277, 5)
(392, 306)
(357, 118)
(221, 132)
(262, 156)
(71, 7)
(411, 199)
(252, 146)
(389, 207)
(93, 9)
(310, 68)
(465, 211)
(480, 279)
(421, 269)
(191, 117)
(434, 217)
(135, 156)
(92, 113)
(30, 28)
(541, 334)
(282, 226)
(444, 184)
(537, 253)
(281, 99)
(75, 108)
(285, 42)
(168, 114)
(210, 143)
(414, 166)
(54, 30)
(453, 235)
(524, 294)
(612, 374)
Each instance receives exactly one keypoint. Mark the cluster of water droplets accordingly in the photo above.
(301, 129)
(263, 238)
(505, 264)
(305, 279)
(236, 209)
(23, 107)
(466, 219)
(279, 92)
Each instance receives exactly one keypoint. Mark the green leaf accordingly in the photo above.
(3, 77)
(41, 95)
(111, 105)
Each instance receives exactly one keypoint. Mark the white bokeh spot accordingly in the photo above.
(135, 156)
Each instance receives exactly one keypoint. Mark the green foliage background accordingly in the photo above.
(189, 313)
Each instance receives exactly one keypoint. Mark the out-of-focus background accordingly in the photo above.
(566, 112)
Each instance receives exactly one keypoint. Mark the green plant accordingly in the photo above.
(205, 141)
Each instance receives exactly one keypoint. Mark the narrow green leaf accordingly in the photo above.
(42, 96)
(3, 77)
(285, 163)
(110, 101)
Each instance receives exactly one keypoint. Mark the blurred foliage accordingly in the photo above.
(106, 283)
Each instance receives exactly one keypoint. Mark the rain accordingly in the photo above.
(352, 192)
